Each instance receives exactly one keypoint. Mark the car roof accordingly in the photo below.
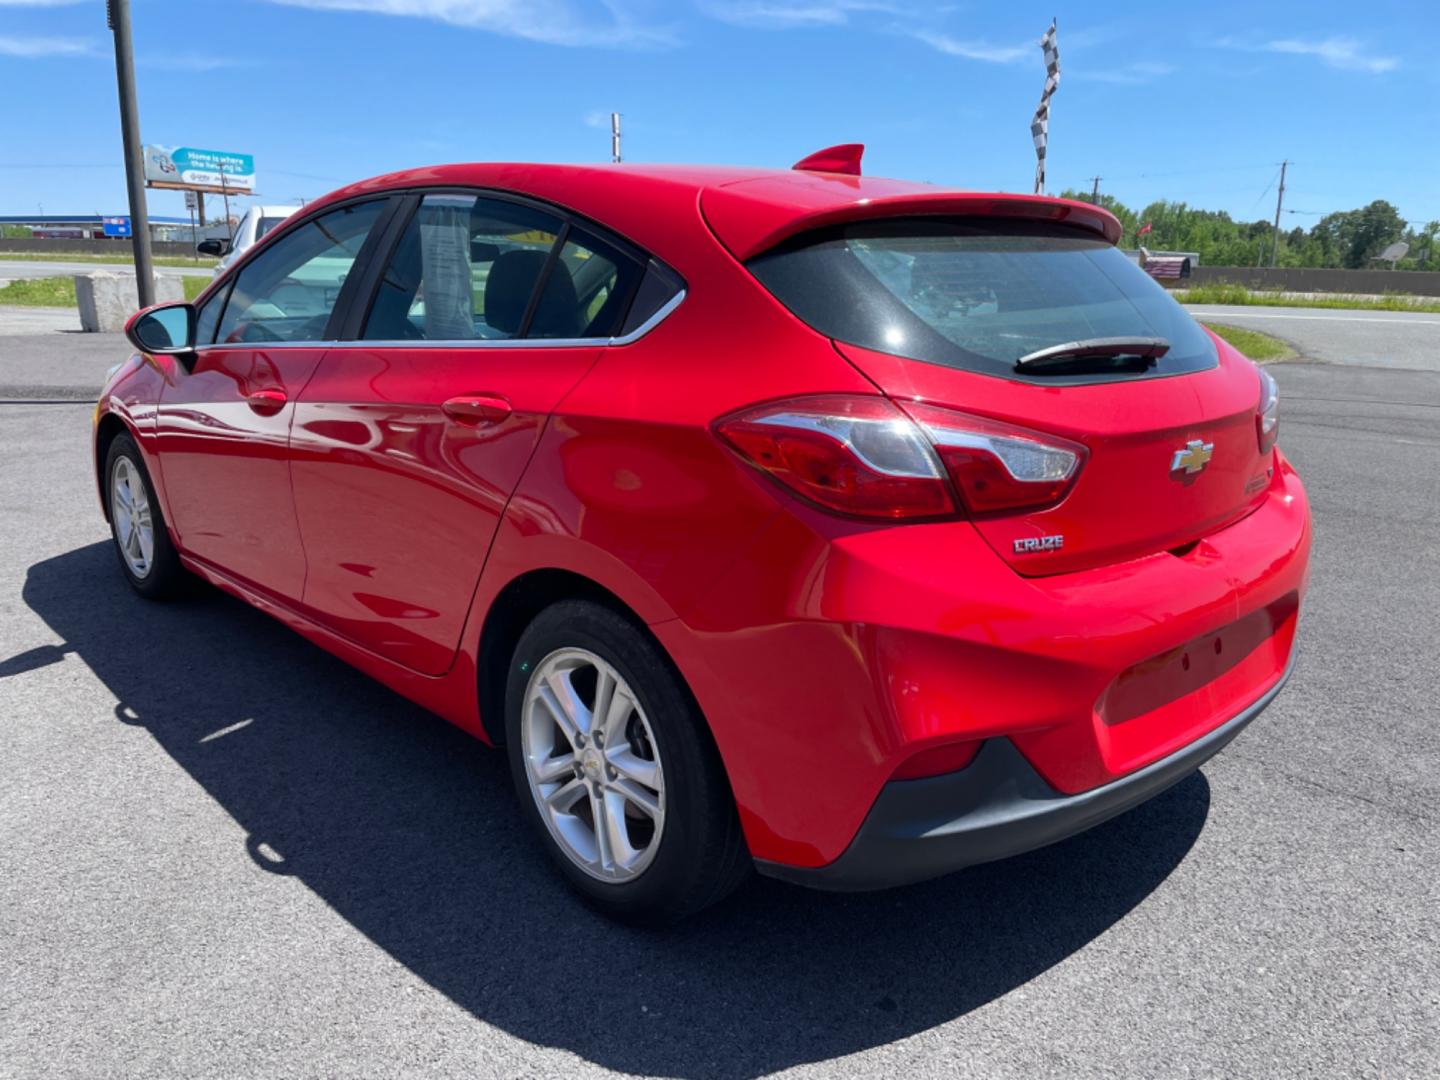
(749, 209)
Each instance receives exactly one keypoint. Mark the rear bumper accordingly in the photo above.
(996, 807)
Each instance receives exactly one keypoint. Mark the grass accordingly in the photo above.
(1259, 347)
(60, 291)
(40, 292)
(1226, 292)
(108, 260)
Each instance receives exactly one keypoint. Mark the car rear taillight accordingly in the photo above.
(869, 457)
(1267, 416)
(856, 455)
(998, 467)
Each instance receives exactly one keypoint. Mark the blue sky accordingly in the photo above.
(1161, 100)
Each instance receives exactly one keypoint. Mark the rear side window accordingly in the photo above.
(975, 294)
(465, 269)
(587, 291)
(468, 268)
(657, 288)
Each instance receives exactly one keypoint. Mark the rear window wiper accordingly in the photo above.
(1101, 353)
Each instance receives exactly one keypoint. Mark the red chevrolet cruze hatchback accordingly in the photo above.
(850, 529)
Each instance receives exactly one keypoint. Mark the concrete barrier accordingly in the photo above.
(107, 301)
(172, 248)
(1308, 279)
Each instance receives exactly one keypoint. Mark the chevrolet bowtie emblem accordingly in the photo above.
(1193, 458)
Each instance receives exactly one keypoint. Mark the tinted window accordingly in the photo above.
(287, 292)
(587, 292)
(207, 319)
(658, 287)
(265, 224)
(465, 269)
(975, 294)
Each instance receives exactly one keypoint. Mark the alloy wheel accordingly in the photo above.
(130, 511)
(590, 757)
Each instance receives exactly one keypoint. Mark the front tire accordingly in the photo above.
(142, 542)
(615, 768)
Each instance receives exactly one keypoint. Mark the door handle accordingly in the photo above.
(266, 402)
(476, 409)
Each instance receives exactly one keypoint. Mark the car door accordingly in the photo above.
(224, 418)
(410, 438)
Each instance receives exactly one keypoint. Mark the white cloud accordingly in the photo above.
(1339, 52)
(1347, 54)
(792, 14)
(191, 62)
(1125, 74)
(977, 50)
(34, 48)
(554, 22)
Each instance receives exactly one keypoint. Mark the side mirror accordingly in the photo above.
(217, 248)
(165, 328)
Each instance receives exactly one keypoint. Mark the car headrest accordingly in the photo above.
(507, 292)
(557, 315)
(508, 287)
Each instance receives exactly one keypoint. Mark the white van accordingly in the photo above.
(258, 221)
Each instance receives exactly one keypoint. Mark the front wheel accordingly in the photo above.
(615, 767)
(137, 524)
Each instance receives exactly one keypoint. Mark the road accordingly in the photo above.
(11, 269)
(1391, 339)
(223, 852)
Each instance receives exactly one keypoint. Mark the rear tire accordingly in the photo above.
(137, 525)
(631, 801)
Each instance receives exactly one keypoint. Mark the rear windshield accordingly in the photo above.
(976, 293)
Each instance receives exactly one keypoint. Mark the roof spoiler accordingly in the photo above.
(844, 158)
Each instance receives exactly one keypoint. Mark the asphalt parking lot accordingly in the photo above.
(223, 853)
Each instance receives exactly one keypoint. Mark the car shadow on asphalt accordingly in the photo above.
(407, 829)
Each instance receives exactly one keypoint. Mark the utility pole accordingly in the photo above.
(615, 137)
(1095, 189)
(1279, 199)
(117, 15)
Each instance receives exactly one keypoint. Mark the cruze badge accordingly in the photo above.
(1032, 544)
(1193, 458)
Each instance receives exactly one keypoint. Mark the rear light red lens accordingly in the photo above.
(998, 467)
(938, 760)
(1267, 416)
(855, 455)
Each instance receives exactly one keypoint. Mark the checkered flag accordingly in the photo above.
(1040, 126)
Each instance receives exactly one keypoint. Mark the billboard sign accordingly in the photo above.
(116, 226)
(185, 168)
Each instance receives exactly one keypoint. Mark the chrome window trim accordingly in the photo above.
(462, 343)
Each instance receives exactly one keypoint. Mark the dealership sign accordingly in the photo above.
(186, 169)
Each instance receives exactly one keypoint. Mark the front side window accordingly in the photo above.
(465, 269)
(207, 319)
(975, 294)
(287, 292)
